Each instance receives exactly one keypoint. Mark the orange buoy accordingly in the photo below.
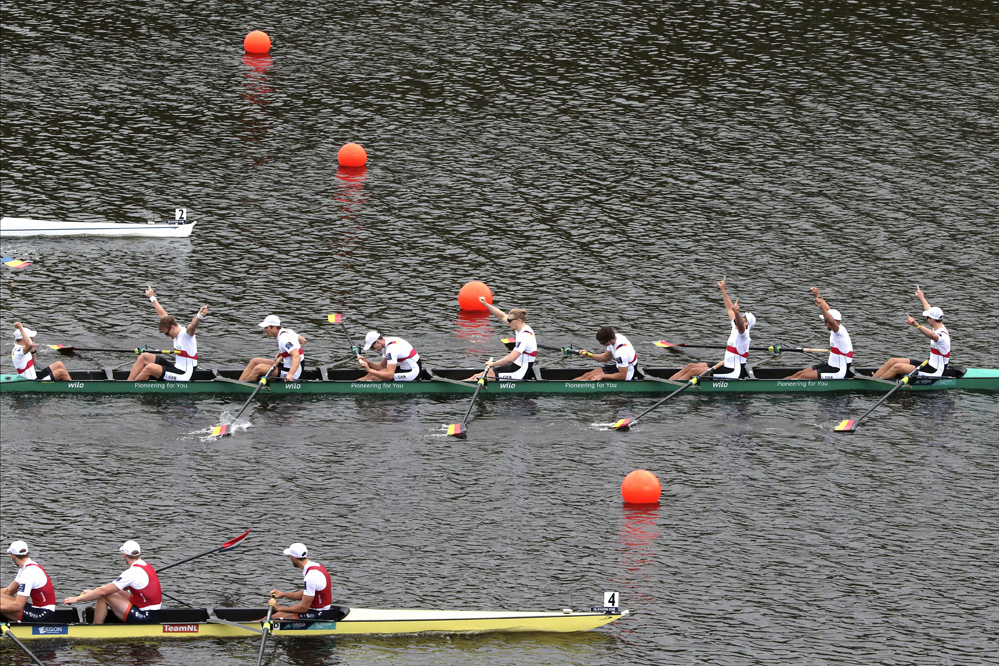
(257, 42)
(641, 487)
(352, 155)
(468, 296)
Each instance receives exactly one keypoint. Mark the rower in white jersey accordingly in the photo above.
(399, 362)
(618, 349)
(23, 357)
(736, 350)
(840, 363)
(185, 344)
(290, 357)
(938, 363)
(519, 363)
(30, 597)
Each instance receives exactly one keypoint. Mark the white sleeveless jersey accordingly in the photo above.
(401, 353)
(287, 340)
(186, 346)
(623, 352)
(24, 362)
(840, 348)
(527, 345)
(737, 347)
(940, 350)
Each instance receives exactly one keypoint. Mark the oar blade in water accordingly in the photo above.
(846, 425)
(623, 424)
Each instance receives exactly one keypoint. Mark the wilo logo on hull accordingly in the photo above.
(180, 628)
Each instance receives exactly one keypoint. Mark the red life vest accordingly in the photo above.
(44, 595)
(151, 594)
(324, 597)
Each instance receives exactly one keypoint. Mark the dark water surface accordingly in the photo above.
(593, 162)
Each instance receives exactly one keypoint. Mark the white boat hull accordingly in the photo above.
(12, 227)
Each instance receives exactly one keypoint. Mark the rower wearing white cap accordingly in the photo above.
(23, 356)
(134, 596)
(316, 601)
(30, 597)
(399, 362)
(840, 363)
(290, 353)
(939, 336)
(185, 345)
(736, 349)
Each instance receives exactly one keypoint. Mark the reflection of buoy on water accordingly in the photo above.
(468, 296)
(352, 155)
(257, 42)
(641, 487)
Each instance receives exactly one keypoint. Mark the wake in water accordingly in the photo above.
(206, 435)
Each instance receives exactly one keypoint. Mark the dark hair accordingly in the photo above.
(605, 334)
(166, 323)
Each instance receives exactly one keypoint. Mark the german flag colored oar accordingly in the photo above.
(625, 424)
(15, 264)
(338, 319)
(850, 425)
(224, 429)
(459, 430)
(70, 351)
(774, 349)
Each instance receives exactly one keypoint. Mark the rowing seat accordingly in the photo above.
(167, 616)
(60, 616)
(256, 614)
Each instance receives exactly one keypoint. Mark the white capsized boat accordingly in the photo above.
(179, 227)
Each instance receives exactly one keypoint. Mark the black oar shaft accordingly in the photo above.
(10, 634)
(260, 384)
(228, 544)
(899, 384)
(267, 629)
(678, 391)
(478, 387)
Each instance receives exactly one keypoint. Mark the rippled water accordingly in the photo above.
(594, 163)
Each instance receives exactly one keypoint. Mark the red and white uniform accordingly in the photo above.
(399, 352)
(185, 358)
(24, 363)
(141, 579)
(318, 586)
(32, 581)
(840, 353)
(287, 341)
(939, 354)
(527, 345)
(624, 354)
(736, 352)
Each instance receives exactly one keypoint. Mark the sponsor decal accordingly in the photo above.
(147, 385)
(508, 385)
(192, 628)
(322, 626)
(74, 385)
(49, 629)
(719, 384)
(294, 386)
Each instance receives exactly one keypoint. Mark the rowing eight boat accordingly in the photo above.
(554, 381)
(245, 622)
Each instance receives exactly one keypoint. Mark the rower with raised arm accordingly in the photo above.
(840, 362)
(23, 356)
(938, 363)
(736, 350)
(399, 362)
(150, 366)
(30, 597)
(134, 596)
(519, 363)
(618, 349)
(290, 354)
(316, 600)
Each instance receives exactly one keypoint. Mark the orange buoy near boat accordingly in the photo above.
(641, 487)
(257, 42)
(352, 155)
(468, 296)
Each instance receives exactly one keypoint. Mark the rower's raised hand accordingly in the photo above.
(149, 292)
(815, 292)
(204, 310)
(722, 283)
(910, 320)
(735, 306)
(919, 293)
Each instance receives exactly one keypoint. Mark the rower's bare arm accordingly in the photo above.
(922, 328)
(509, 358)
(301, 606)
(193, 326)
(301, 340)
(14, 603)
(296, 361)
(740, 323)
(11, 589)
(602, 356)
(922, 297)
(729, 306)
(156, 304)
(91, 595)
(26, 341)
(499, 314)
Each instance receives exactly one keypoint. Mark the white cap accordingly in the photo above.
(270, 320)
(834, 314)
(18, 548)
(296, 550)
(18, 336)
(370, 338)
(932, 313)
(130, 548)
(750, 320)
